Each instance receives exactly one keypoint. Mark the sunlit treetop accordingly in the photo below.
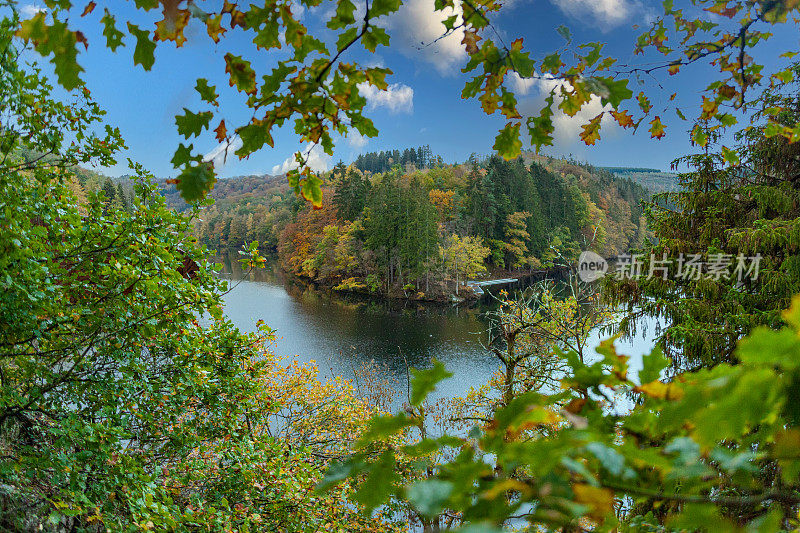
(317, 88)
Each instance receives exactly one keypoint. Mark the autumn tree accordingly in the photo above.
(516, 238)
(463, 257)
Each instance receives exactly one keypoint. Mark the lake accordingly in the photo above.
(341, 332)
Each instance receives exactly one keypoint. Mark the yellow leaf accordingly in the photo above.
(657, 128)
(664, 391)
(600, 500)
(591, 131)
(214, 27)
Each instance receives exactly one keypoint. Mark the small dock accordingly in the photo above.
(477, 286)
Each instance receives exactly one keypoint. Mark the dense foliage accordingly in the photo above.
(714, 450)
(424, 232)
(127, 401)
(728, 215)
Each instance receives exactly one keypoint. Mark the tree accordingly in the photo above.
(728, 238)
(315, 86)
(350, 194)
(463, 257)
(516, 237)
(118, 409)
(713, 449)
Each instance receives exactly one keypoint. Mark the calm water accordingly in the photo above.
(340, 332)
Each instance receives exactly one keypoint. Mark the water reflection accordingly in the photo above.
(340, 332)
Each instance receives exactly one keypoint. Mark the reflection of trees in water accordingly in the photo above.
(309, 293)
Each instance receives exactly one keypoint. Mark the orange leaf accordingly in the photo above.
(221, 131)
(623, 118)
(673, 69)
(89, 8)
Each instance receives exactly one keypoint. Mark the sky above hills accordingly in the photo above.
(423, 103)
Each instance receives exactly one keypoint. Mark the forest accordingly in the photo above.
(418, 232)
(426, 232)
(130, 401)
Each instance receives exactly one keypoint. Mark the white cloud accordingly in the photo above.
(397, 98)
(356, 140)
(606, 12)
(223, 153)
(29, 10)
(318, 160)
(567, 129)
(417, 25)
(520, 85)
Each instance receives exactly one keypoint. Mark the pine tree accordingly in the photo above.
(750, 210)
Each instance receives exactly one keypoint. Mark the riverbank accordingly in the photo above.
(441, 292)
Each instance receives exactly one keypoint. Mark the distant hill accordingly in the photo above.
(231, 192)
(651, 178)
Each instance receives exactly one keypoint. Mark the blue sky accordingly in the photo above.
(423, 104)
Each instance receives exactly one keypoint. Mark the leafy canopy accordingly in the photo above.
(317, 91)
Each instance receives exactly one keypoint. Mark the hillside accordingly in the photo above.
(420, 232)
(652, 179)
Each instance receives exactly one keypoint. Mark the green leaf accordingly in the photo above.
(253, 136)
(208, 93)
(507, 143)
(552, 63)
(767, 347)
(182, 155)
(564, 32)
(58, 40)
(652, 365)
(611, 460)
(191, 124)
(380, 482)
(344, 15)
(540, 129)
(339, 471)
(144, 53)
(383, 7)
(345, 38)
(424, 381)
(617, 91)
(730, 156)
(242, 76)
(384, 426)
(522, 63)
(195, 181)
(429, 497)
(110, 32)
(311, 189)
(374, 37)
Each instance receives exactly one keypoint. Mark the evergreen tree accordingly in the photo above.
(728, 216)
(350, 194)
